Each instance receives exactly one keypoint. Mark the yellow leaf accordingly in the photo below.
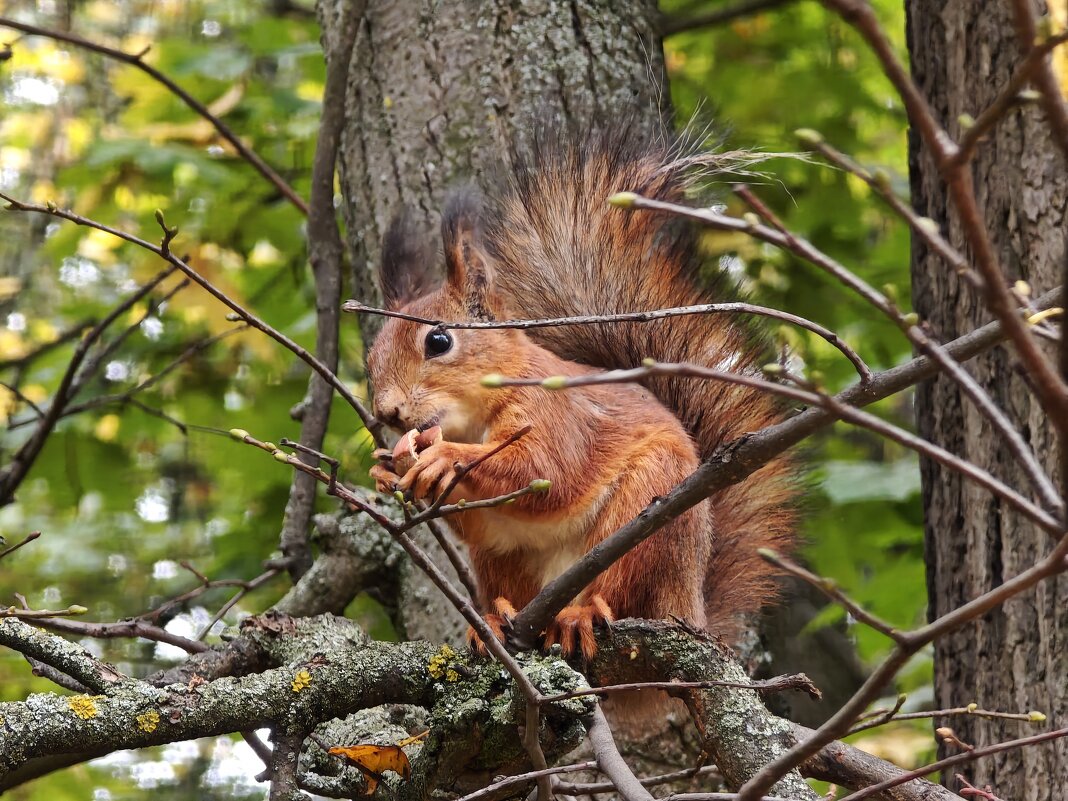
(35, 392)
(12, 345)
(9, 286)
(373, 760)
(1058, 11)
(106, 428)
(310, 90)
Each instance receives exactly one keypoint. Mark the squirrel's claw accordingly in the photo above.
(385, 479)
(573, 627)
(499, 623)
(433, 472)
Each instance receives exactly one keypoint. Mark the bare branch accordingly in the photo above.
(967, 756)
(12, 548)
(610, 761)
(12, 475)
(163, 251)
(794, 681)
(670, 25)
(326, 254)
(843, 719)
(634, 317)
(732, 464)
(137, 60)
(1051, 389)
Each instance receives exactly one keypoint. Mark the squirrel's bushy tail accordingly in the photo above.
(564, 251)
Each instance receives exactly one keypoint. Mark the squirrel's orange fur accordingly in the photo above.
(546, 244)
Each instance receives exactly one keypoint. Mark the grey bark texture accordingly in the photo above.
(439, 92)
(1015, 658)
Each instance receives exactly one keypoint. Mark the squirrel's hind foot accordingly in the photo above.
(573, 626)
(499, 622)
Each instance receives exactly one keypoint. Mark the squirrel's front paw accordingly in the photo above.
(574, 626)
(499, 622)
(435, 470)
(385, 479)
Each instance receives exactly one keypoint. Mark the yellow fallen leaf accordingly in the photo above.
(373, 760)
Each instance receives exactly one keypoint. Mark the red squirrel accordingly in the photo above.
(544, 242)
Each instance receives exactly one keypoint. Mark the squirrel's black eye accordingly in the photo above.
(437, 342)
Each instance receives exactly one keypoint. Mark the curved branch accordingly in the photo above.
(137, 60)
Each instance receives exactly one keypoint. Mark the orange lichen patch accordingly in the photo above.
(148, 721)
(301, 680)
(83, 706)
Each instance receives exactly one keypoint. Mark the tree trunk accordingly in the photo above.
(439, 92)
(1015, 658)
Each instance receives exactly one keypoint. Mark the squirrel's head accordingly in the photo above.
(426, 375)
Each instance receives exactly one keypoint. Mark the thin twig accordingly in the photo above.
(73, 332)
(794, 681)
(1028, 70)
(707, 772)
(670, 25)
(611, 762)
(12, 548)
(633, 317)
(1051, 389)
(13, 475)
(893, 716)
(326, 254)
(843, 719)
(956, 759)
(241, 593)
(779, 235)
(499, 789)
(456, 559)
(137, 60)
(164, 252)
(121, 630)
(832, 591)
(14, 390)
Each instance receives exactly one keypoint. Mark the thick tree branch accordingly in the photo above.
(732, 464)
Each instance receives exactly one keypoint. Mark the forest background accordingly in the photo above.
(143, 481)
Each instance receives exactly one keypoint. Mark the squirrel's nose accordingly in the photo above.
(388, 410)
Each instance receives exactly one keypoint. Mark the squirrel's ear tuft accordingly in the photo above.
(407, 271)
(468, 271)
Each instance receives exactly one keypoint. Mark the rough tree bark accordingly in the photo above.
(962, 52)
(438, 92)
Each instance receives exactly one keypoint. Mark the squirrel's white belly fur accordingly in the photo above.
(550, 545)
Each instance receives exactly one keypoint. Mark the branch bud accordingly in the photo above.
(809, 136)
(927, 226)
(540, 485)
(623, 200)
(492, 380)
(239, 434)
(555, 382)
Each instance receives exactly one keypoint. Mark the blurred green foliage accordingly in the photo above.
(123, 496)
